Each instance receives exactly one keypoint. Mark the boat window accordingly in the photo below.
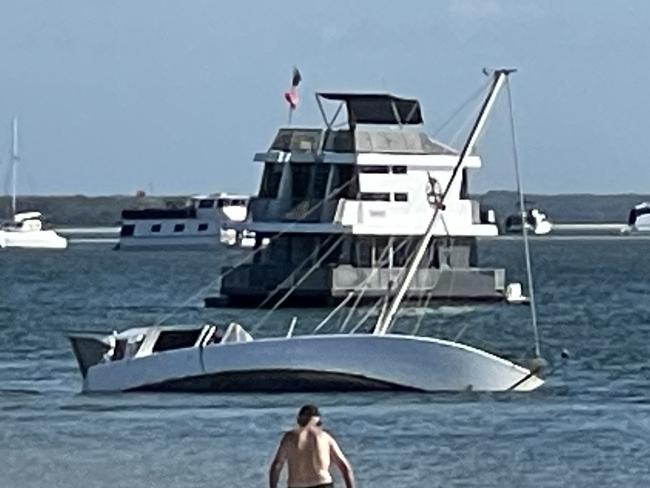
(271, 180)
(376, 197)
(363, 253)
(203, 227)
(399, 170)
(155, 228)
(127, 230)
(176, 339)
(401, 197)
(321, 173)
(300, 175)
(206, 203)
(374, 169)
(402, 251)
(179, 227)
(345, 183)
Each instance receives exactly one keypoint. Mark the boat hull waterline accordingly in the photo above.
(345, 362)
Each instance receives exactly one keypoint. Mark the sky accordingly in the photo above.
(175, 97)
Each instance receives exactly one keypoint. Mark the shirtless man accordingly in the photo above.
(308, 450)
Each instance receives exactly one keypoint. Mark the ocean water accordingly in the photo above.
(588, 425)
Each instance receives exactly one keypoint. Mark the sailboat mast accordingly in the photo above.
(14, 163)
(386, 319)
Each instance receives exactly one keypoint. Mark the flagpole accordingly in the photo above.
(290, 114)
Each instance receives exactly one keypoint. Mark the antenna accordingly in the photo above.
(14, 163)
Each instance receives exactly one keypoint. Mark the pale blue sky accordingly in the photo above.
(114, 96)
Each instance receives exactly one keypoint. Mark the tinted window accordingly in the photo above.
(401, 197)
(179, 227)
(206, 204)
(373, 169)
(155, 228)
(127, 230)
(271, 180)
(321, 174)
(382, 197)
(399, 170)
(176, 339)
(344, 182)
(203, 227)
(300, 174)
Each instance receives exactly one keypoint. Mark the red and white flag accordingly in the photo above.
(291, 96)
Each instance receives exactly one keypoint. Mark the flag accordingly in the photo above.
(291, 96)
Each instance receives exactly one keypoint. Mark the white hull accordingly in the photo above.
(37, 239)
(314, 363)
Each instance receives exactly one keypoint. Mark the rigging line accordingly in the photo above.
(462, 107)
(290, 227)
(522, 209)
(186, 302)
(365, 282)
(297, 284)
(333, 312)
(467, 122)
(367, 315)
(449, 239)
(291, 276)
(249, 256)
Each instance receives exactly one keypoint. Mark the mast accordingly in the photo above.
(14, 163)
(385, 320)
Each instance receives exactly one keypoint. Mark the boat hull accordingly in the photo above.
(347, 362)
(40, 239)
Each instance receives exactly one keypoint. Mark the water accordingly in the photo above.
(590, 424)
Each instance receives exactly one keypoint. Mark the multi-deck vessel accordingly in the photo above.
(344, 207)
(197, 225)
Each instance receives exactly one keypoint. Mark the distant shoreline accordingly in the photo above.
(100, 211)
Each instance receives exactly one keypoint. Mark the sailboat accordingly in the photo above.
(205, 358)
(25, 229)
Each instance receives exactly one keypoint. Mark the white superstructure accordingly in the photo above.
(197, 225)
(362, 194)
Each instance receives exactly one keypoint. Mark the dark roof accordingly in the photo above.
(378, 108)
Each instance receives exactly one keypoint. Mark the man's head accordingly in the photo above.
(307, 413)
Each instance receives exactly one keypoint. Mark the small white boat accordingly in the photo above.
(638, 219)
(536, 222)
(25, 229)
(201, 358)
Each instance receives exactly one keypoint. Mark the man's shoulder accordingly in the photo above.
(288, 435)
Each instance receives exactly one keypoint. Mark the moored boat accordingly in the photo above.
(202, 358)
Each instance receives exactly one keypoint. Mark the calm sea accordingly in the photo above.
(588, 426)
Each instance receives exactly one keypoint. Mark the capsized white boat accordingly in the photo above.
(177, 358)
(200, 358)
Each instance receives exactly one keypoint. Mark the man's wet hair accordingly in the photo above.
(306, 412)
